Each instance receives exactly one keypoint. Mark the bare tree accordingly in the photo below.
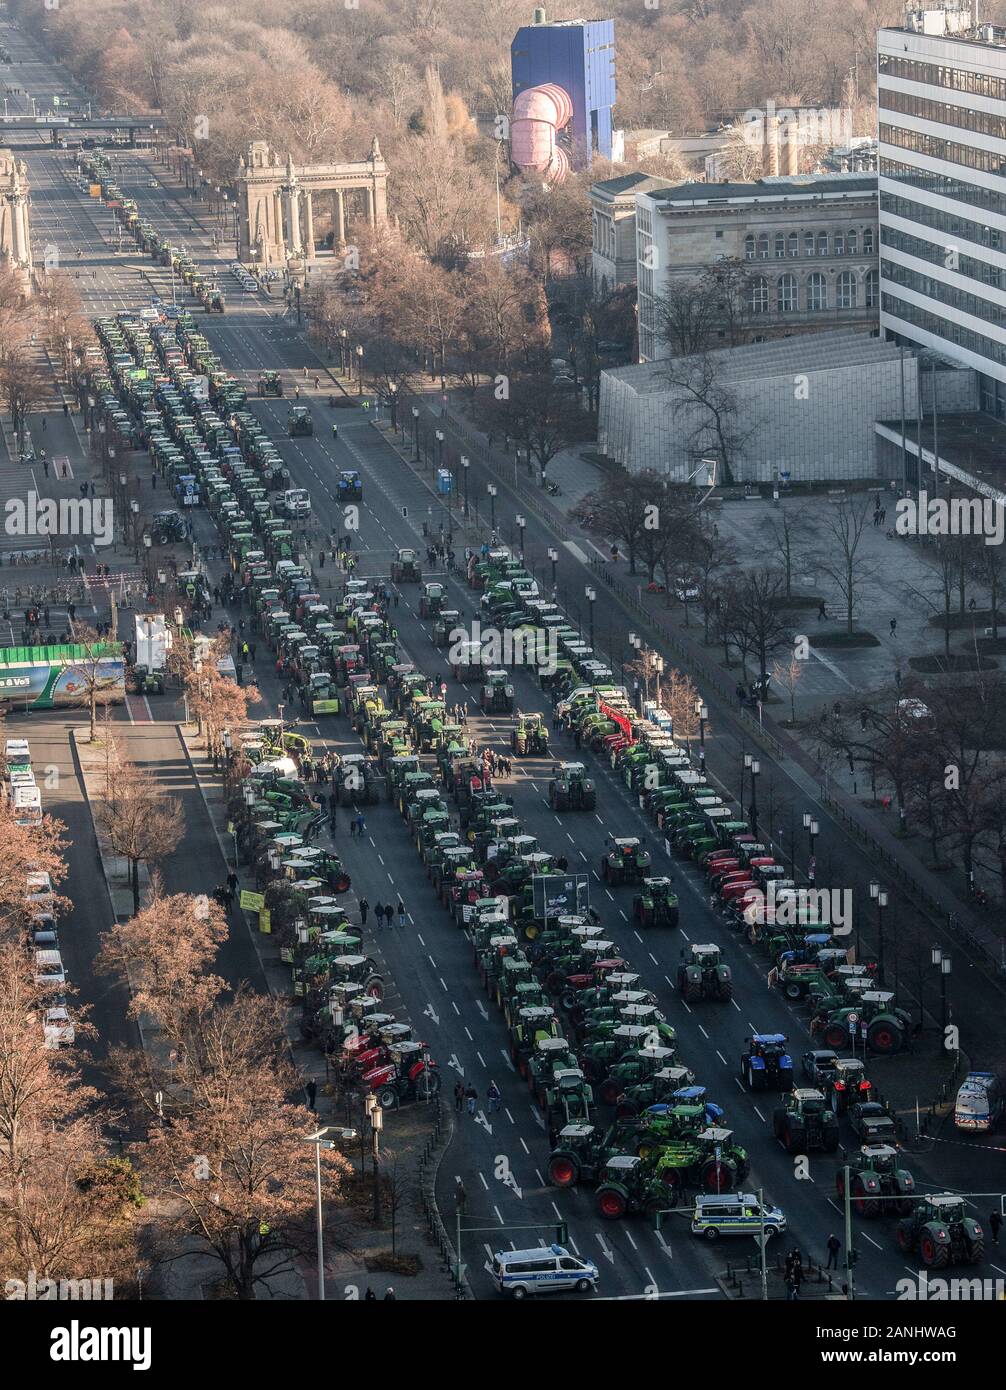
(137, 821)
(89, 672)
(710, 410)
(841, 560)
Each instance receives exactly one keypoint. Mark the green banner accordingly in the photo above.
(252, 902)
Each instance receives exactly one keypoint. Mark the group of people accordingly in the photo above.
(383, 912)
(467, 1098)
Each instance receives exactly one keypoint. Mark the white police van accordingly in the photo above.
(979, 1103)
(735, 1214)
(542, 1270)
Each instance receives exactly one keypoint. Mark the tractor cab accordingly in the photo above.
(431, 600)
(299, 421)
(349, 486)
(405, 567)
(497, 693)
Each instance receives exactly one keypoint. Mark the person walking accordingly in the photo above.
(312, 1093)
(471, 1099)
(494, 1096)
(459, 1096)
(822, 612)
(894, 626)
(352, 828)
(370, 1295)
(379, 915)
(364, 909)
(389, 1297)
(401, 913)
(995, 1225)
(834, 1246)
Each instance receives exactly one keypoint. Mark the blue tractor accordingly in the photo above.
(767, 1066)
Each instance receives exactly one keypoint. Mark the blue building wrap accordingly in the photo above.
(580, 57)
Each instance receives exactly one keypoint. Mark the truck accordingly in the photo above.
(297, 503)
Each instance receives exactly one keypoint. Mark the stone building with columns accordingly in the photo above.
(15, 234)
(292, 214)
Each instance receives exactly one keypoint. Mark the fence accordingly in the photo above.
(435, 1227)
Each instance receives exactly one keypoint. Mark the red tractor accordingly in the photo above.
(408, 1074)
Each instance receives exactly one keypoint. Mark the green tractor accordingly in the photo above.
(887, 1027)
(405, 567)
(707, 1159)
(431, 600)
(806, 1123)
(568, 1098)
(703, 975)
(530, 736)
(634, 1067)
(549, 1055)
(626, 1187)
(656, 1089)
(571, 789)
(497, 693)
(657, 904)
(626, 862)
(581, 1152)
(299, 422)
(940, 1232)
(878, 1184)
(140, 680)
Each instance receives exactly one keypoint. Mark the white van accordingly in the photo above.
(58, 1028)
(17, 754)
(49, 969)
(979, 1103)
(543, 1270)
(27, 802)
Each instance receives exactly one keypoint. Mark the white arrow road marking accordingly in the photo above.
(608, 1254)
(480, 1119)
(664, 1246)
(506, 1058)
(482, 1008)
(511, 1182)
(456, 1065)
(430, 1012)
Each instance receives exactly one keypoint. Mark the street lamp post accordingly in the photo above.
(415, 430)
(376, 1125)
(943, 962)
(492, 490)
(702, 710)
(359, 366)
(521, 523)
(343, 335)
(465, 464)
(591, 597)
(879, 896)
(393, 395)
(755, 770)
(553, 555)
(440, 448)
(658, 671)
(323, 1138)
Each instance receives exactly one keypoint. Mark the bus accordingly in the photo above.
(57, 676)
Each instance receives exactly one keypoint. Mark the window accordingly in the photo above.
(847, 290)
(749, 248)
(822, 243)
(780, 246)
(852, 242)
(817, 292)
(872, 289)
(868, 241)
(763, 247)
(786, 302)
(839, 244)
(719, 233)
(808, 243)
(794, 244)
(758, 295)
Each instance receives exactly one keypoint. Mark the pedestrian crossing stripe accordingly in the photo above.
(62, 465)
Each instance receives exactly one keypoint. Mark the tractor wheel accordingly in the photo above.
(374, 987)
(692, 991)
(779, 1123)
(884, 1036)
(562, 1171)
(589, 802)
(626, 1110)
(341, 884)
(792, 990)
(568, 1000)
(976, 1251)
(835, 1036)
(387, 1097)
(933, 1256)
(612, 1203)
(794, 1139)
(716, 1176)
(725, 991)
(865, 1206)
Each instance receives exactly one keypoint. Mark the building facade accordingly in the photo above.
(613, 228)
(809, 244)
(578, 56)
(942, 160)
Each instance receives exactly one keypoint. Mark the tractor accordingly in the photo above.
(497, 693)
(409, 1074)
(657, 904)
(941, 1233)
(349, 488)
(270, 384)
(626, 862)
(661, 1086)
(887, 1027)
(571, 789)
(299, 422)
(431, 600)
(568, 1098)
(702, 975)
(709, 1160)
(847, 1084)
(581, 1151)
(634, 1067)
(683, 1115)
(140, 680)
(530, 736)
(405, 567)
(626, 1186)
(767, 1065)
(806, 1123)
(878, 1184)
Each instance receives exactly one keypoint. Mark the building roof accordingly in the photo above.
(804, 354)
(802, 186)
(626, 183)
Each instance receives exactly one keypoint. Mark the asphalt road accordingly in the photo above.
(431, 960)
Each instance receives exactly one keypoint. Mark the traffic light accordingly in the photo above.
(561, 1233)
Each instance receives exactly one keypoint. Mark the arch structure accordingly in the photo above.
(280, 205)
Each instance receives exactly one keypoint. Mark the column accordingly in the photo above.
(17, 227)
(370, 206)
(277, 225)
(293, 213)
(340, 218)
(381, 199)
(308, 226)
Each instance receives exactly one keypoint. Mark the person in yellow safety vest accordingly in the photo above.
(351, 562)
(342, 559)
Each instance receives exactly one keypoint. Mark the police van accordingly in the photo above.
(979, 1103)
(545, 1269)
(735, 1214)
